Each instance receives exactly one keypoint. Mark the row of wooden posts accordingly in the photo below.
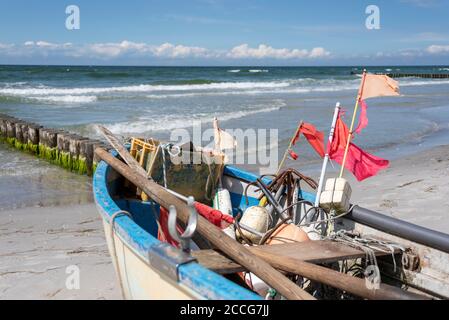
(418, 75)
(70, 151)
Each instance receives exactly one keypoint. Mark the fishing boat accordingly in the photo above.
(148, 268)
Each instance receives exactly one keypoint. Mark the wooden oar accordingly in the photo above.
(122, 151)
(218, 238)
(130, 161)
(128, 158)
(301, 258)
(334, 278)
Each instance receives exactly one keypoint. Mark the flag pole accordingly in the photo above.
(281, 164)
(326, 157)
(264, 200)
(359, 96)
(217, 138)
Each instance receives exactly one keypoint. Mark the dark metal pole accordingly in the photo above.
(434, 239)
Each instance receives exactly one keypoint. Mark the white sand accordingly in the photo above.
(415, 189)
(38, 244)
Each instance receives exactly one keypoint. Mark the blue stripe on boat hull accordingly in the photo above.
(204, 282)
(250, 177)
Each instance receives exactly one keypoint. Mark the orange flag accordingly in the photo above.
(374, 86)
(379, 86)
(363, 119)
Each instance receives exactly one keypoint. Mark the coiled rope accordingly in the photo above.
(368, 245)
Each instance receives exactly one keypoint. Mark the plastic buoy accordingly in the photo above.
(222, 202)
(288, 233)
(256, 218)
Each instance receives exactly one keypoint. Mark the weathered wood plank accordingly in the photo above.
(213, 234)
(312, 251)
(217, 262)
(263, 266)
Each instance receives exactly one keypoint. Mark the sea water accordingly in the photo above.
(153, 101)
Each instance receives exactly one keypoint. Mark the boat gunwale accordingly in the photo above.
(195, 277)
(249, 177)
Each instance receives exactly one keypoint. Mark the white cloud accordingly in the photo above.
(44, 44)
(318, 53)
(112, 50)
(263, 51)
(436, 49)
(179, 51)
(6, 47)
(165, 50)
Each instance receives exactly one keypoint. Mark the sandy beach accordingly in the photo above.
(39, 243)
(48, 222)
(414, 188)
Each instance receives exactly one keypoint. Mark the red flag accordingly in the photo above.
(298, 134)
(363, 120)
(340, 137)
(362, 164)
(314, 137)
(162, 233)
(293, 155)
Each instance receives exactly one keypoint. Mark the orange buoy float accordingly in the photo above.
(287, 233)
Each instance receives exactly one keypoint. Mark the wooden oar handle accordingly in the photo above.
(218, 238)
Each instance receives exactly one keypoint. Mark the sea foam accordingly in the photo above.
(288, 86)
(42, 91)
(66, 99)
(170, 122)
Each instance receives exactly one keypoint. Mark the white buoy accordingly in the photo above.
(336, 195)
(255, 218)
(222, 202)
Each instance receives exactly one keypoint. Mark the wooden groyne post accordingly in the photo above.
(70, 151)
(411, 75)
(418, 75)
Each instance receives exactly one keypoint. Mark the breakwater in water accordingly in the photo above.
(67, 150)
(418, 75)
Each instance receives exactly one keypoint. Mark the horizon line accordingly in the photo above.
(220, 66)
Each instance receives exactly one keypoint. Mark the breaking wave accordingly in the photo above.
(168, 122)
(14, 92)
(66, 99)
(42, 91)
(297, 86)
(421, 83)
(258, 71)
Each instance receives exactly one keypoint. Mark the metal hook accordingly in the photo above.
(183, 239)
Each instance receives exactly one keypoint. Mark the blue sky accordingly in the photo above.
(224, 32)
